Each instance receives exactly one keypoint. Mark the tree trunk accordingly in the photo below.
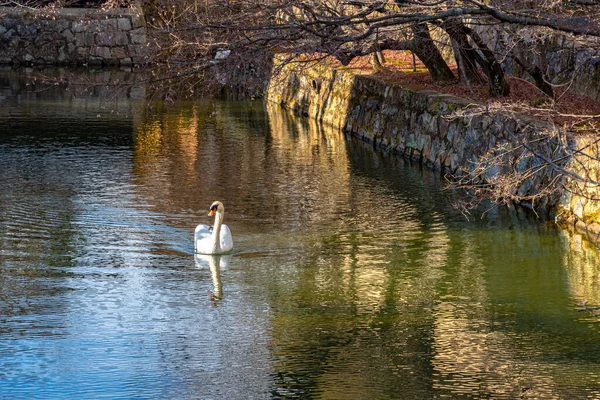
(376, 62)
(463, 52)
(428, 53)
(538, 76)
(491, 67)
(535, 72)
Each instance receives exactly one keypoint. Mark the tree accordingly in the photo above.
(188, 32)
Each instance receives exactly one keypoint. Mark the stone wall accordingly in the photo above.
(564, 58)
(443, 132)
(72, 37)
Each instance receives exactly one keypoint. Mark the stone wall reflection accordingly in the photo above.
(62, 93)
(384, 289)
(359, 284)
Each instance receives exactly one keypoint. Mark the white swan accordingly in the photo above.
(214, 239)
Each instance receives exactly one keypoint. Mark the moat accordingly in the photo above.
(352, 276)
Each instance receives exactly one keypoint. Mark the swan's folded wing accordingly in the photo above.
(201, 234)
(226, 238)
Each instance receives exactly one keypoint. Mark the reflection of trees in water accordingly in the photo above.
(357, 334)
(394, 293)
(59, 154)
(367, 330)
(583, 271)
(470, 356)
(418, 318)
(306, 169)
(191, 155)
(404, 304)
(506, 323)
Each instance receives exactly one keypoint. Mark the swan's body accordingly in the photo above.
(216, 239)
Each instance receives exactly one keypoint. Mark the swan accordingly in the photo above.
(214, 239)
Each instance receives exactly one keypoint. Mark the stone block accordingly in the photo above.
(62, 24)
(121, 39)
(103, 52)
(394, 136)
(32, 30)
(104, 39)
(112, 39)
(46, 59)
(453, 162)
(109, 24)
(430, 123)
(137, 20)
(95, 61)
(390, 110)
(413, 121)
(137, 51)
(10, 23)
(453, 130)
(8, 35)
(138, 36)
(426, 146)
(443, 126)
(68, 35)
(83, 51)
(126, 62)
(410, 141)
(432, 154)
(84, 39)
(62, 53)
(437, 164)
(80, 26)
(118, 53)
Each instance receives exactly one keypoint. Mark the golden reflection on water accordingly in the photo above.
(349, 280)
(580, 260)
(362, 272)
(311, 171)
(148, 143)
(364, 255)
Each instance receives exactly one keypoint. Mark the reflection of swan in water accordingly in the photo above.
(215, 264)
(216, 239)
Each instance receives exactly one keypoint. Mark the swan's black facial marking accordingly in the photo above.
(213, 208)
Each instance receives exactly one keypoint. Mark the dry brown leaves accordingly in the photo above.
(566, 109)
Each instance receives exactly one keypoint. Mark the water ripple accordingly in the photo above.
(351, 276)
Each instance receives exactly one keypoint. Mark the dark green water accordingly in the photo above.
(352, 276)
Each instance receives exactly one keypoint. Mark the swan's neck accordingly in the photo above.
(216, 233)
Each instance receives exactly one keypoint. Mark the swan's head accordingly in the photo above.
(215, 207)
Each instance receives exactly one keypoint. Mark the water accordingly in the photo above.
(352, 276)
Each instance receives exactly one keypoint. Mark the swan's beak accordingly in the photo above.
(211, 212)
